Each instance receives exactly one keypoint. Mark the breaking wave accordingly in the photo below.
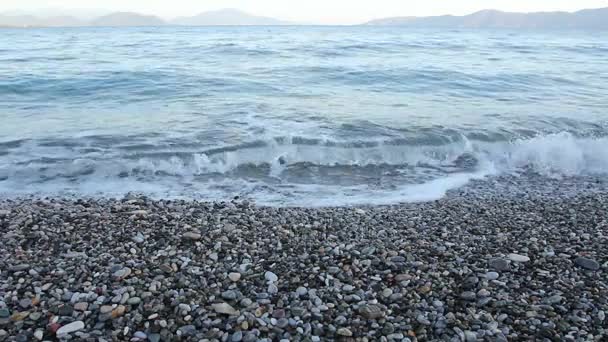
(297, 170)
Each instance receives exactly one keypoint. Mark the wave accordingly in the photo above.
(549, 155)
(298, 170)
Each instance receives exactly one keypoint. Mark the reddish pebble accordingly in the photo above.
(54, 327)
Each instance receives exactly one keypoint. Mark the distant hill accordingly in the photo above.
(32, 21)
(127, 19)
(226, 17)
(585, 19)
(213, 18)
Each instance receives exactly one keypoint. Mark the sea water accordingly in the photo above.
(296, 115)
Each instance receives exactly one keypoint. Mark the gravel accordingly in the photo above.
(465, 268)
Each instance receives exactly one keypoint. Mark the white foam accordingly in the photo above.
(179, 174)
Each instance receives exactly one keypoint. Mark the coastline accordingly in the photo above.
(467, 267)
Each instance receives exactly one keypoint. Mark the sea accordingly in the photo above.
(296, 116)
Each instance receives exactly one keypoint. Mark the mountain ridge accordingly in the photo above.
(583, 19)
(221, 17)
(225, 17)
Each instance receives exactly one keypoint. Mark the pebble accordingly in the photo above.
(70, 328)
(271, 277)
(122, 273)
(224, 308)
(492, 275)
(499, 264)
(81, 306)
(468, 295)
(301, 291)
(141, 335)
(345, 332)
(106, 308)
(237, 336)
(187, 330)
(470, 336)
(518, 258)
(19, 267)
(192, 236)
(134, 301)
(371, 311)
(118, 311)
(586, 263)
(411, 272)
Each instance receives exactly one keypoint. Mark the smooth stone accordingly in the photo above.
(25, 303)
(192, 236)
(483, 293)
(65, 310)
(468, 295)
(187, 330)
(237, 336)
(4, 312)
(139, 238)
(492, 275)
(234, 276)
(499, 264)
(271, 277)
(134, 301)
(229, 295)
(554, 299)
(119, 311)
(39, 335)
(70, 328)
(395, 337)
(518, 257)
(141, 335)
(423, 320)
(81, 306)
(246, 302)
(301, 291)
(224, 308)
(105, 309)
(19, 316)
(345, 332)
(470, 336)
(587, 263)
(371, 311)
(122, 273)
(19, 268)
(154, 337)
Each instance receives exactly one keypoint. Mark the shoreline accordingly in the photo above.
(467, 267)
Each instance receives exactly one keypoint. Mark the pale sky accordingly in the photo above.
(309, 11)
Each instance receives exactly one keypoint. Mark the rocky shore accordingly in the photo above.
(459, 269)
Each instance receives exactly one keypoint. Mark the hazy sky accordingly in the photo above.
(311, 11)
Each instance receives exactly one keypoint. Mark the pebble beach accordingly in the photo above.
(470, 267)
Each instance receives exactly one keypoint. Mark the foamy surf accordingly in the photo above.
(296, 171)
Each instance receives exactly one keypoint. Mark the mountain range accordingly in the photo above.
(212, 18)
(584, 19)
